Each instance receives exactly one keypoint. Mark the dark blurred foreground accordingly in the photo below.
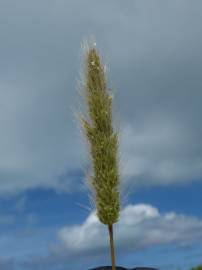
(199, 267)
(122, 268)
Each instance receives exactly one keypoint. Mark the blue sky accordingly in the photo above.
(152, 51)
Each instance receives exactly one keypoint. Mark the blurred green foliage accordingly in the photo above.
(199, 267)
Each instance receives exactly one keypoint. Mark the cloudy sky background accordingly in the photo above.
(152, 50)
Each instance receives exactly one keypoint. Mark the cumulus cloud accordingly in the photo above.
(140, 226)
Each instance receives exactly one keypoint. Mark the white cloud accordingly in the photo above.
(155, 64)
(140, 226)
(161, 153)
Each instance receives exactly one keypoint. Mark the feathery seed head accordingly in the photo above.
(103, 141)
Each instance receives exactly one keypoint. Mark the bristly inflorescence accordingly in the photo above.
(103, 141)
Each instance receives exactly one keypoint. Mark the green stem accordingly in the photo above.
(110, 228)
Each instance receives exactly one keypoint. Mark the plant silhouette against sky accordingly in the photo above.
(103, 143)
